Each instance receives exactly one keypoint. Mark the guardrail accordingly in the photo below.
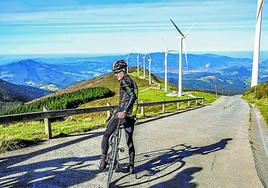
(46, 114)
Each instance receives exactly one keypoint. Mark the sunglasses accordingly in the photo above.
(115, 73)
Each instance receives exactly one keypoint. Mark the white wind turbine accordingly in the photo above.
(127, 61)
(181, 38)
(150, 61)
(255, 65)
(144, 59)
(166, 67)
(138, 64)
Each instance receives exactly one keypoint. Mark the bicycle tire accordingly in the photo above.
(115, 144)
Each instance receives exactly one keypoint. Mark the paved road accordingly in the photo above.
(207, 147)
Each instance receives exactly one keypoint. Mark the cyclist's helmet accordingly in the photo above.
(119, 66)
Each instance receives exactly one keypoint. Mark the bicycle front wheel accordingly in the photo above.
(112, 160)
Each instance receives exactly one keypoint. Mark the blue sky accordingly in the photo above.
(107, 26)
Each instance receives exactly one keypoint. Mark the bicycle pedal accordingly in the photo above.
(122, 149)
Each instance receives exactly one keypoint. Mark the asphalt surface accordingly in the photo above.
(206, 147)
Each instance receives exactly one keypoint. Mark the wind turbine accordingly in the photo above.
(181, 38)
(144, 59)
(127, 61)
(150, 61)
(166, 64)
(255, 64)
(138, 64)
(166, 67)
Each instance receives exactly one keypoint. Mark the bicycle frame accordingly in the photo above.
(113, 156)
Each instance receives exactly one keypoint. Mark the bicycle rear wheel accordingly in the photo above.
(112, 157)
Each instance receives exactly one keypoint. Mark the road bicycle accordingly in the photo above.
(113, 157)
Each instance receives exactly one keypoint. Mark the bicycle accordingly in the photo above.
(113, 157)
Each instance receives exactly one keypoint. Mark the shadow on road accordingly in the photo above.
(158, 164)
(60, 172)
(65, 171)
(182, 179)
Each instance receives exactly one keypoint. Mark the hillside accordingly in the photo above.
(107, 80)
(258, 95)
(259, 92)
(11, 92)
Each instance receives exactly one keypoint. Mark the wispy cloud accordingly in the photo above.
(31, 21)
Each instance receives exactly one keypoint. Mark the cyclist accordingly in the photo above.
(123, 113)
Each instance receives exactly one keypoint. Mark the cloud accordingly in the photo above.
(138, 23)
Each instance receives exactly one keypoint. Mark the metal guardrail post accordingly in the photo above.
(109, 111)
(202, 101)
(178, 105)
(196, 102)
(163, 108)
(142, 109)
(47, 122)
(188, 105)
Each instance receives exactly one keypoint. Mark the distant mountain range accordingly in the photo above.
(18, 93)
(205, 71)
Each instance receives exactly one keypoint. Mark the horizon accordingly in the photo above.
(7, 59)
(262, 52)
(117, 27)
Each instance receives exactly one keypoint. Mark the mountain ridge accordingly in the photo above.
(10, 92)
(68, 71)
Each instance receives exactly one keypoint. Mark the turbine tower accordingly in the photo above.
(166, 64)
(181, 38)
(256, 55)
(166, 68)
(144, 59)
(150, 61)
(138, 64)
(127, 61)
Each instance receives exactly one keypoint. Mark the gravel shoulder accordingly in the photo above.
(259, 144)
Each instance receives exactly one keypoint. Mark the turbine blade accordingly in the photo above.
(177, 28)
(185, 54)
(190, 28)
(259, 9)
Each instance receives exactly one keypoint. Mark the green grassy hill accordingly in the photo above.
(259, 96)
(34, 131)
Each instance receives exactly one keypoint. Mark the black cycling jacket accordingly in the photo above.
(127, 95)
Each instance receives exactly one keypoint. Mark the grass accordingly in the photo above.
(261, 104)
(34, 131)
(259, 96)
